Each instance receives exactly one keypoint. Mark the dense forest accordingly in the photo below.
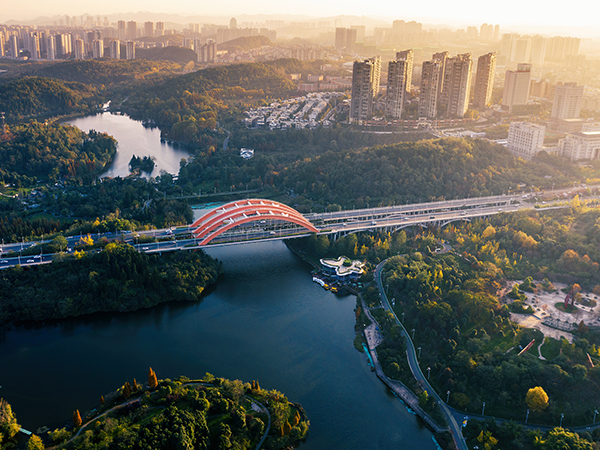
(118, 278)
(40, 152)
(211, 413)
(108, 205)
(177, 55)
(465, 330)
(245, 43)
(108, 72)
(36, 96)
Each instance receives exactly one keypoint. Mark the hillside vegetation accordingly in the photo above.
(119, 278)
(245, 43)
(33, 96)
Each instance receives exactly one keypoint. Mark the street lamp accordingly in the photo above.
(595, 412)
(483, 409)
(413, 334)
(402, 317)
(527, 416)
(419, 352)
(447, 396)
(561, 418)
(428, 372)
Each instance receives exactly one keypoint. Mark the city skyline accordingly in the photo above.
(435, 12)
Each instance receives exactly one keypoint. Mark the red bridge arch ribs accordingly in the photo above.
(233, 214)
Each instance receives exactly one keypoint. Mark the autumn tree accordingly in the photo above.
(102, 401)
(77, 419)
(152, 381)
(8, 422)
(35, 443)
(126, 390)
(536, 398)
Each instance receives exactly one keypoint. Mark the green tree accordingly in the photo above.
(126, 390)
(536, 398)
(8, 422)
(35, 443)
(561, 439)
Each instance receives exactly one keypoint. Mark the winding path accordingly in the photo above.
(455, 430)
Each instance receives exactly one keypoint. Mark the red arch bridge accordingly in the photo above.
(253, 219)
(249, 220)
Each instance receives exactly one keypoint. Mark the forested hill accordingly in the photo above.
(412, 171)
(245, 43)
(36, 151)
(107, 72)
(188, 107)
(178, 55)
(33, 96)
(119, 278)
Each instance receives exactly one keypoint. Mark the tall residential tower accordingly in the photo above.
(484, 81)
(399, 83)
(365, 87)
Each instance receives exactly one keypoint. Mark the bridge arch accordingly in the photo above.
(233, 214)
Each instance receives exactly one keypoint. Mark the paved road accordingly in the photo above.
(413, 362)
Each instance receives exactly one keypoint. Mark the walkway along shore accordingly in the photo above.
(396, 386)
(455, 429)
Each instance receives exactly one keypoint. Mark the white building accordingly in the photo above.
(580, 145)
(79, 49)
(115, 49)
(567, 101)
(97, 48)
(516, 87)
(525, 139)
(130, 50)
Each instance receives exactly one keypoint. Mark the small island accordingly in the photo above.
(209, 413)
(139, 164)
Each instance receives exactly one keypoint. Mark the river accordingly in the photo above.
(133, 139)
(264, 320)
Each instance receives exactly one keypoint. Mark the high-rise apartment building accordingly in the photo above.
(160, 29)
(149, 29)
(567, 101)
(399, 83)
(13, 46)
(521, 49)
(516, 87)
(345, 38)
(2, 46)
(538, 50)
(34, 47)
(121, 29)
(50, 48)
(525, 139)
(115, 49)
(79, 49)
(130, 50)
(484, 81)
(560, 47)
(486, 32)
(206, 52)
(233, 23)
(432, 78)
(365, 87)
(131, 30)
(97, 48)
(457, 84)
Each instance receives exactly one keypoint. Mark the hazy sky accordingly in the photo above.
(504, 12)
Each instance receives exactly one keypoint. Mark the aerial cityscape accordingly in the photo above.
(314, 226)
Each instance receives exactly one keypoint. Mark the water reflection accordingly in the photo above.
(133, 139)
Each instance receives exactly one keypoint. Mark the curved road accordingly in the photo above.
(455, 428)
